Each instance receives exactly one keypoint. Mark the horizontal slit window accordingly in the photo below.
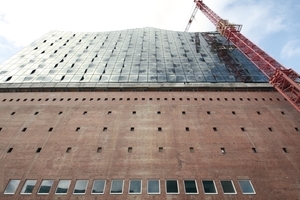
(12, 186)
(28, 187)
(116, 187)
(45, 187)
(98, 187)
(80, 187)
(63, 187)
(190, 187)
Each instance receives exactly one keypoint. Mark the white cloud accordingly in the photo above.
(291, 49)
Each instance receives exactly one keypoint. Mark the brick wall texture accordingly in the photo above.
(194, 128)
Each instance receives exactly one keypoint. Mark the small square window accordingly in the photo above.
(135, 187)
(132, 129)
(188, 99)
(13, 113)
(77, 129)
(109, 112)
(80, 187)
(12, 186)
(166, 99)
(209, 187)
(129, 149)
(10, 150)
(173, 99)
(153, 187)
(36, 113)
(187, 129)
(158, 99)
(143, 99)
(45, 187)
(225, 99)
(258, 112)
(68, 150)
(24, 129)
(150, 99)
(159, 129)
(128, 99)
(190, 187)
(233, 99)
(158, 112)
(99, 149)
(133, 112)
(160, 149)
(98, 187)
(192, 149)
(180, 99)
(105, 99)
(183, 112)
(208, 112)
(223, 150)
(254, 150)
(104, 128)
(85, 112)
(63, 187)
(39, 150)
(116, 187)
(28, 187)
(172, 187)
(228, 187)
(233, 112)
(296, 128)
(284, 150)
(242, 128)
(50, 129)
(246, 187)
(215, 128)
(60, 113)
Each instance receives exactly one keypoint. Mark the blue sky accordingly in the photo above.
(272, 25)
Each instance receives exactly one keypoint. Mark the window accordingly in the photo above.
(50, 129)
(36, 113)
(187, 129)
(80, 187)
(208, 112)
(98, 187)
(190, 187)
(209, 187)
(159, 129)
(12, 186)
(129, 149)
(99, 149)
(158, 112)
(63, 187)
(135, 187)
(104, 128)
(28, 187)
(192, 149)
(172, 187)
(160, 149)
(68, 150)
(39, 150)
(116, 187)
(183, 112)
(133, 112)
(246, 187)
(9, 150)
(45, 187)
(131, 128)
(228, 187)
(153, 187)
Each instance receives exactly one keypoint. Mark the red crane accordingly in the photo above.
(286, 81)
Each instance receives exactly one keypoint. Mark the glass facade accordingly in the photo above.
(144, 55)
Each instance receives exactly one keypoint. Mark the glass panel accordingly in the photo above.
(190, 187)
(11, 186)
(98, 187)
(246, 187)
(228, 187)
(209, 187)
(80, 187)
(153, 187)
(116, 187)
(45, 187)
(63, 187)
(172, 187)
(28, 187)
(135, 187)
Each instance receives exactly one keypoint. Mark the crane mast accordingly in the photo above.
(286, 81)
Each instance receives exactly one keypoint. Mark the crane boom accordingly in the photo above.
(286, 81)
